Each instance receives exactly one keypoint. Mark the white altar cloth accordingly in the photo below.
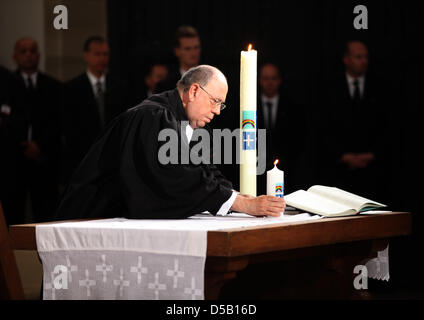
(133, 259)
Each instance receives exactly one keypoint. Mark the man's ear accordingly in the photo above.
(345, 60)
(193, 92)
(279, 81)
(177, 52)
(85, 57)
(147, 80)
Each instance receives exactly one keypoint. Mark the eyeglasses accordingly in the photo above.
(216, 101)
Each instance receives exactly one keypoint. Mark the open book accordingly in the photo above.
(330, 201)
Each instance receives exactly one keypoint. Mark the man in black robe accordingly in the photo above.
(122, 176)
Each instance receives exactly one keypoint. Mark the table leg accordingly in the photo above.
(219, 271)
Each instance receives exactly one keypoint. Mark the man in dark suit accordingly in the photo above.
(281, 118)
(187, 49)
(93, 99)
(33, 138)
(355, 145)
(8, 86)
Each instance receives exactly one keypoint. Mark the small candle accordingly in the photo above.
(275, 181)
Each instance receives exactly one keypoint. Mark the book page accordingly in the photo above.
(315, 203)
(351, 200)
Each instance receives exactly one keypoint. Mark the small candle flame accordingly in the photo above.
(249, 47)
(276, 162)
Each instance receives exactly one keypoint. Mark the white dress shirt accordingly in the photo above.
(32, 76)
(226, 206)
(274, 109)
(350, 82)
(93, 80)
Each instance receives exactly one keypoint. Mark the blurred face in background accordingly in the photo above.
(269, 80)
(97, 58)
(356, 59)
(188, 53)
(159, 72)
(26, 55)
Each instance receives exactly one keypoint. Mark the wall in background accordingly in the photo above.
(20, 18)
(64, 47)
(61, 50)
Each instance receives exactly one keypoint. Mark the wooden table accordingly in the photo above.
(329, 247)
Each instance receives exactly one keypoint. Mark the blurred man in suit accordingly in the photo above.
(8, 96)
(187, 49)
(356, 127)
(33, 138)
(157, 73)
(93, 99)
(280, 117)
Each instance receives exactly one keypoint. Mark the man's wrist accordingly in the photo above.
(239, 204)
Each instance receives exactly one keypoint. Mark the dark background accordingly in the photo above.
(306, 39)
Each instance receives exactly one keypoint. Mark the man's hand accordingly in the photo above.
(358, 160)
(31, 151)
(259, 206)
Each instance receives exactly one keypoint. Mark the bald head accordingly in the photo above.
(202, 75)
(203, 90)
(26, 55)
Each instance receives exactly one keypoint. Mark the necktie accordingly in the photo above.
(356, 92)
(30, 85)
(100, 98)
(29, 105)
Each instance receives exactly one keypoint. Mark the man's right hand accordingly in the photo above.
(259, 206)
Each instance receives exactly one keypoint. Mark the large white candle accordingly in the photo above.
(275, 182)
(248, 70)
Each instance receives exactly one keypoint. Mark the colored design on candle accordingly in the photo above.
(249, 142)
(279, 188)
(248, 119)
(280, 195)
(248, 122)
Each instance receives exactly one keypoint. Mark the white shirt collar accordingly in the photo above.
(32, 76)
(93, 79)
(189, 132)
(273, 100)
(350, 80)
(182, 71)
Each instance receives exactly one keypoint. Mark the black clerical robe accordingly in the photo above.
(121, 175)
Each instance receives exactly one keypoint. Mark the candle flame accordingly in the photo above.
(249, 47)
(276, 162)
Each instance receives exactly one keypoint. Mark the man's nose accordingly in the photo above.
(217, 110)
